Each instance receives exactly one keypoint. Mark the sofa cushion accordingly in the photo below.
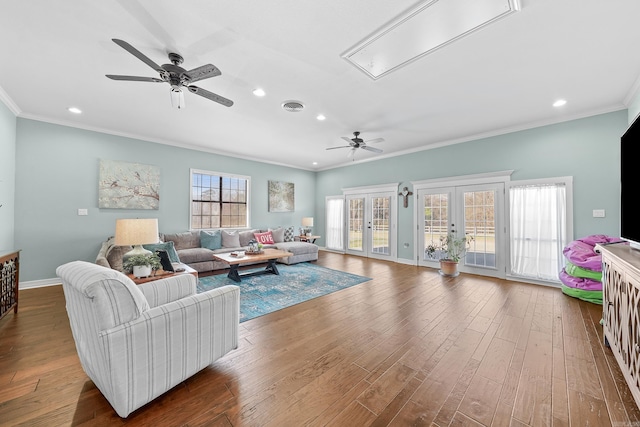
(247, 236)
(278, 235)
(230, 239)
(193, 255)
(186, 240)
(164, 246)
(211, 239)
(265, 238)
(298, 248)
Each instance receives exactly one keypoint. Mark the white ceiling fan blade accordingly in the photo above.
(374, 141)
(347, 139)
(375, 150)
(342, 146)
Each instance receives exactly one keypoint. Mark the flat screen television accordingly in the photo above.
(630, 185)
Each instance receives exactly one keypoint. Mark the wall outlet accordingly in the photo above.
(598, 213)
(83, 212)
(406, 245)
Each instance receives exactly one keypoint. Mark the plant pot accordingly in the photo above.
(448, 268)
(141, 271)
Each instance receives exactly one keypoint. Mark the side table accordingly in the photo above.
(161, 274)
(310, 239)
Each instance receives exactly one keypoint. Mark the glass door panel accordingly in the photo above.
(355, 224)
(480, 223)
(380, 226)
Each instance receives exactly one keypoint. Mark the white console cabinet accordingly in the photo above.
(621, 309)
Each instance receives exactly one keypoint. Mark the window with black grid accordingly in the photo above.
(219, 200)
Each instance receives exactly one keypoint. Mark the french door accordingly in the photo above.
(472, 210)
(371, 225)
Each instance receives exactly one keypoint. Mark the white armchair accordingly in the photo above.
(137, 342)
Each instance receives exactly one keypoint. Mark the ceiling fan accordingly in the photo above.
(175, 75)
(357, 142)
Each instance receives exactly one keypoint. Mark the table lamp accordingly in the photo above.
(136, 232)
(307, 223)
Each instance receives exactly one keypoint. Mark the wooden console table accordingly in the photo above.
(621, 309)
(9, 280)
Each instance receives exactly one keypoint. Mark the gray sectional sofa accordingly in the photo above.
(196, 248)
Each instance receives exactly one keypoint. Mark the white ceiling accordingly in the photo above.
(55, 54)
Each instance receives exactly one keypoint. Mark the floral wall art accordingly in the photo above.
(125, 185)
(281, 196)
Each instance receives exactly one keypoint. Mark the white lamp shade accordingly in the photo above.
(131, 232)
(307, 222)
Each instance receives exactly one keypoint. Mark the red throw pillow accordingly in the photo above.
(264, 238)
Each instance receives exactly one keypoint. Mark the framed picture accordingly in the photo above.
(125, 185)
(281, 196)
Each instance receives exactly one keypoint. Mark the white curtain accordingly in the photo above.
(538, 217)
(335, 223)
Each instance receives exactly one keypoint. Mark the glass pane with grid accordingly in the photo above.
(436, 218)
(480, 223)
(356, 222)
(380, 214)
(218, 201)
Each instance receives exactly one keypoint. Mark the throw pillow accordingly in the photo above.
(288, 234)
(166, 246)
(211, 239)
(246, 236)
(114, 256)
(230, 239)
(264, 238)
(278, 235)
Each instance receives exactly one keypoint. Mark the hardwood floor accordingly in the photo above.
(409, 347)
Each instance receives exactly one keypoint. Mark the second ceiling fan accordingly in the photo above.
(357, 142)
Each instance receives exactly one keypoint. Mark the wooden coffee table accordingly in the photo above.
(268, 255)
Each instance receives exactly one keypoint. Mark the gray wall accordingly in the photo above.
(587, 149)
(7, 177)
(57, 173)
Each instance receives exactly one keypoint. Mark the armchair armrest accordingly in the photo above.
(172, 288)
(167, 344)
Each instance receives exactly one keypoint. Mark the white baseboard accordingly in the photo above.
(39, 283)
(406, 261)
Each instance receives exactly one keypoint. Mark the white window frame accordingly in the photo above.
(219, 174)
(567, 181)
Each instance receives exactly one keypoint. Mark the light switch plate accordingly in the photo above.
(598, 213)
(83, 212)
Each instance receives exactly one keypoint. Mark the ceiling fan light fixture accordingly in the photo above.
(177, 98)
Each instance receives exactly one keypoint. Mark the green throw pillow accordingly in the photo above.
(164, 246)
(211, 239)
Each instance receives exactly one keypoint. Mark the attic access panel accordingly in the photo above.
(422, 30)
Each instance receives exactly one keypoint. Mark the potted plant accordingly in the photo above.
(449, 250)
(142, 265)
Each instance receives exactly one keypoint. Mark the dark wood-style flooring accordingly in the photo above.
(409, 347)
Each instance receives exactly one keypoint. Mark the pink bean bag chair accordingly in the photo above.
(581, 252)
(579, 282)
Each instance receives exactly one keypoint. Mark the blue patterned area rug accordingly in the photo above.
(296, 283)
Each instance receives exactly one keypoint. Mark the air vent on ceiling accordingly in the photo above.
(293, 106)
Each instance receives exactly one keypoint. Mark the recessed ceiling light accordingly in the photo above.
(74, 110)
(315, 163)
(320, 117)
(259, 92)
(559, 102)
